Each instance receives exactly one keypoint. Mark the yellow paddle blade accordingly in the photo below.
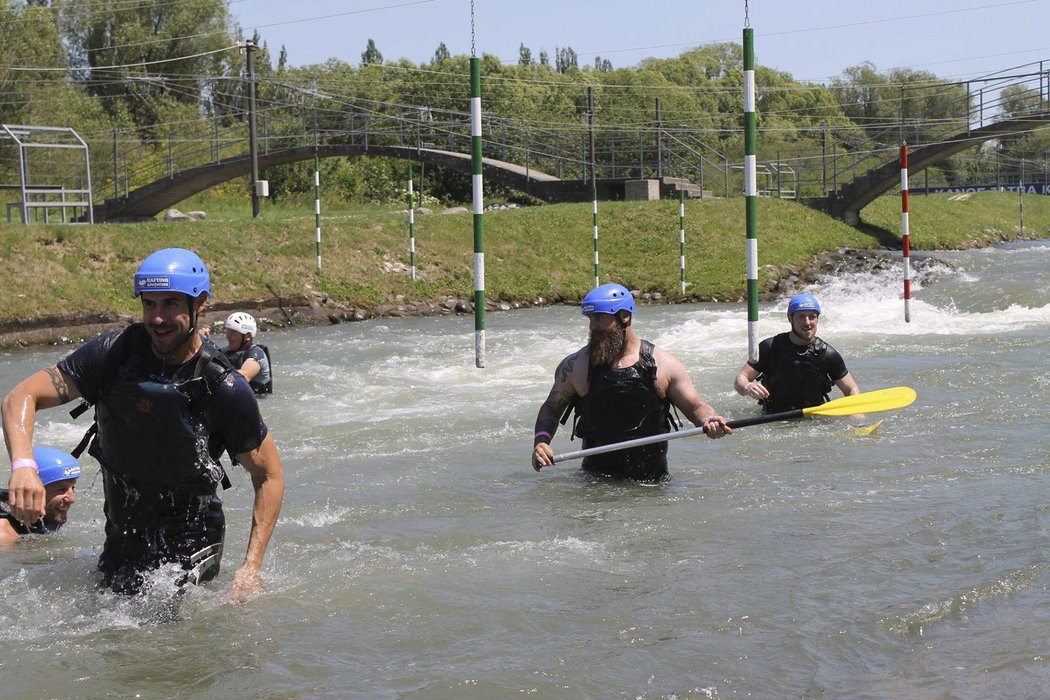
(862, 430)
(865, 402)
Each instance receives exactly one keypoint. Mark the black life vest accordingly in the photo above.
(237, 358)
(796, 377)
(150, 434)
(622, 404)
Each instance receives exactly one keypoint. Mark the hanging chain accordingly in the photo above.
(472, 52)
(747, 20)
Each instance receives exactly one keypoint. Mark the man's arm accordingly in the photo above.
(562, 394)
(682, 393)
(264, 466)
(848, 385)
(43, 389)
(250, 368)
(746, 385)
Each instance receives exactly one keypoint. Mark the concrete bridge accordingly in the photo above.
(150, 200)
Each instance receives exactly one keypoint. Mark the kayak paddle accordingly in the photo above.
(864, 402)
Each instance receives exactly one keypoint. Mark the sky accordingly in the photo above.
(813, 40)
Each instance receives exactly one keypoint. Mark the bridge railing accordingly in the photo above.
(956, 109)
(130, 161)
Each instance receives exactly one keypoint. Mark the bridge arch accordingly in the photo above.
(847, 202)
(149, 200)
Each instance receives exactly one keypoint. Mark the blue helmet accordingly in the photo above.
(607, 299)
(803, 302)
(173, 270)
(55, 465)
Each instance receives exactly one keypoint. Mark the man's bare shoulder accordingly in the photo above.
(572, 370)
(668, 367)
(572, 361)
(8, 534)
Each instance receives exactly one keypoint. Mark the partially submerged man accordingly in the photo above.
(167, 404)
(795, 369)
(621, 387)
(249, 358)
(58, 472)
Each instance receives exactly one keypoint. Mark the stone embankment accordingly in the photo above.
(315, 308)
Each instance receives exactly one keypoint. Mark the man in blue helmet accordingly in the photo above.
(795, 369)
(621, 387)
(167, 404)
(59, 472)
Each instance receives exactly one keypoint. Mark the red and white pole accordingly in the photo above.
(905, 233)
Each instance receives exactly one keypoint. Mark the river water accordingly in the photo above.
(418, 554)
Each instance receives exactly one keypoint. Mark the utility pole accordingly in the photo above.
(253, 143)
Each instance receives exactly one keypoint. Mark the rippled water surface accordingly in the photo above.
(419, 555)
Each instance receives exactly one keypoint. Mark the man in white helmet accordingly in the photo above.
(251, 359)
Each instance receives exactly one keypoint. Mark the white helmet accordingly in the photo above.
(241, 322)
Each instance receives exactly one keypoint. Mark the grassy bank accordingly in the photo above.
(529, 253)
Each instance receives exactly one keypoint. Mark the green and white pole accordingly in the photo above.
(411, 226)
(681, 241)
(317, 207)
(594, 183)
(479, 208)
(594, 219)
(750, 194)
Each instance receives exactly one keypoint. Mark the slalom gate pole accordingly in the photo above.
(681, 241)
(750, 193)
(317, 208)
(594, 224)
(411, 226)
(905, 232)
(479, 208)
(594, 182)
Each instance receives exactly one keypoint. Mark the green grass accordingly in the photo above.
(541, 251)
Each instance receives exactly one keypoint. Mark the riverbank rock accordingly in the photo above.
(176, 215)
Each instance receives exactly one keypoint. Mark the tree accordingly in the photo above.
(603, 65)
(544, 59)
(564, 59)
(441, 53)
(1019, 100)
(371, 54)
(883, 104)
(149, 60)
(524, 55)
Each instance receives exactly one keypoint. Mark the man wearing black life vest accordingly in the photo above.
(167, 404)
(621, 387)
(248, 357)
(795, 369)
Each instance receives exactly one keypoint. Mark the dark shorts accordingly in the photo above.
(193, 541)
(647, 463)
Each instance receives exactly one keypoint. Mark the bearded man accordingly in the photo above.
(621, 387)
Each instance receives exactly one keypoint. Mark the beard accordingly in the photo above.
(606, 347)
